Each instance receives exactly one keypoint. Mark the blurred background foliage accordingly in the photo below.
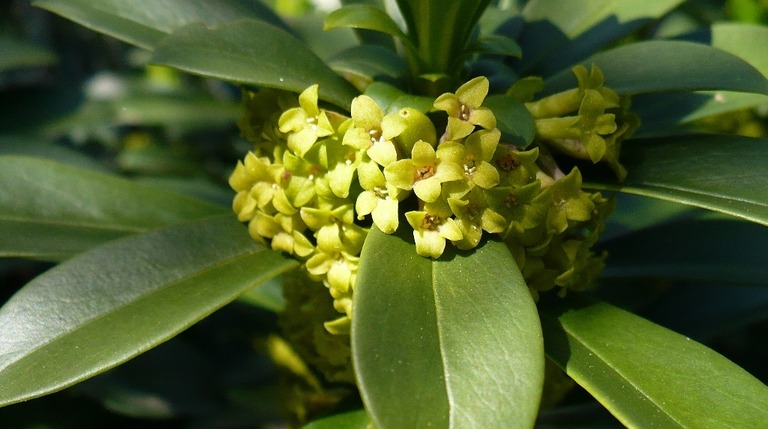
(76, 96)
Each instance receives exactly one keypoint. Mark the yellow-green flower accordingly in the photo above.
(473, 216)
(373, 132)
(379, 199)
(427, 169)
(431, 227)
(305, 124)
(465, 109)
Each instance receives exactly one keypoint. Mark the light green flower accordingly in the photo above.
(286, 233)
(431, 227)
(473, 216)
(334, 227)
(378, 199)
(372, 132)
(427, 169)
(305, 124)
(465, 109)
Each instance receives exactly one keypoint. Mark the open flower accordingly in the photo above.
(431, 227)
(305, 124)
(373, 132)
(379, 199)
(465, 109)
(473, 216)
(427, 169)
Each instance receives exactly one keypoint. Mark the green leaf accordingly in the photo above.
(574, 18)
(116, 301)
(432, 339)
(144, 23)
(657, 66)
(512, 119)
(350, 420)
(494, 44)
(713, 250)
(391, 98)
(255, 53)
(720, 173)
(51, 211)
(371, 62)
(743, 40)
(17, 54)
(365, 17)
(648, 376)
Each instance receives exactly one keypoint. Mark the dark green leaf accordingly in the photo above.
(255, 53)
(575, 18)
(634, 212)
(496, 45)
(18, 54)
(51, 211)
(366, 17)
(391, 98)
(715, 250)
(145, 23)
(721, 173)
(116, 301)
(349, 420)
(371, 62)
(648, 376)
(512, 119)
(657, 66)
(432, 339)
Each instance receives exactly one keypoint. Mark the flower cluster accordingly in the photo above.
(318, 179)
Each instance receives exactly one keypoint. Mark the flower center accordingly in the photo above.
(425, 172)
(431, 222)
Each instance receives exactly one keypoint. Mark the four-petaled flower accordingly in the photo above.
(427, 169)
(465, 109)
(305, 124)
(431, 227)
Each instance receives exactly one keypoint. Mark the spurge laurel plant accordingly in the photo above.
(431, 193)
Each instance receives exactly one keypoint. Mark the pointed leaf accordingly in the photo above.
(252, 52)
(648, 376)
(51, 211)
(145, 23)
(391, 98)
(432, 339)
(721, 173)
(366, 17)
(656, 66)
(575, 18)
(713, 250)
(116, 301)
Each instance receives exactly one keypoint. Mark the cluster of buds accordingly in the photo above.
(318, 180)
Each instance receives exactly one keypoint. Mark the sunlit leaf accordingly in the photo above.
(721, 173)
(648, 376)
(236, 52)
(512, 119)
(51, 211)
(366, 17)
(657, 66)
(432, 339)
(105, 306)
(145, 23)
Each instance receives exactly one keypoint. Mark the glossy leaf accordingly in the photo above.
(648, 376)
(716, 250)
(746, 41)
(575, 18)
(366, 17)
(656, 66)
(17, 54)
(236, 52)
(51, 211)
(720, 173)
(145, 23)
(496, 45)
(350, 420)
(391, 98)
(635, 212)
(431, 339)
(371, 62)
(512, 119)
(131, 295)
